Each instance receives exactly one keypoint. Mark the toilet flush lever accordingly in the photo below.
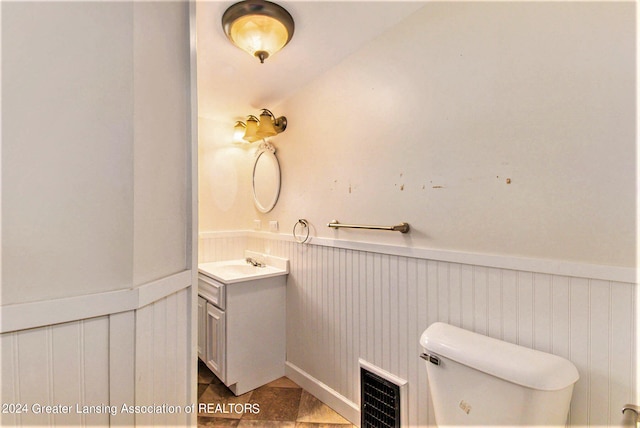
(433, 359)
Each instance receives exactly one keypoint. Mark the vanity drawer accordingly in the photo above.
(212, 290)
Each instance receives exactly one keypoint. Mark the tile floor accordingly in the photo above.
(281, 403)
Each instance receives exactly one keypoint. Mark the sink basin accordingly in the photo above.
(232, 271)
(239, 270)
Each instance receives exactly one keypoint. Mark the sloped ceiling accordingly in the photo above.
(232, 84)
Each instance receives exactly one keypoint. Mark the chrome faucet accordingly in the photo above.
(254, 262)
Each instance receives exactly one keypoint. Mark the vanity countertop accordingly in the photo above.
(233, 271)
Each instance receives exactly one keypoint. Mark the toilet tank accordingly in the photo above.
(482, 381)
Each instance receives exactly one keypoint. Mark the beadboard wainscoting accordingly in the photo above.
(65, 364)
(68, 352)
(162, 359)
(347, 301)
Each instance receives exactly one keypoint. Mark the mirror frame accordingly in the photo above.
(268, 152)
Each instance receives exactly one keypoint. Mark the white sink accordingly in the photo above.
(232, 271)
(235, 269)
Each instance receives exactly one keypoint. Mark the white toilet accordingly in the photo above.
(481, 381)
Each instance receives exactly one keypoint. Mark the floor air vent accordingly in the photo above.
(379, 398)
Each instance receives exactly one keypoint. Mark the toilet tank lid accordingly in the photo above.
(517, 364)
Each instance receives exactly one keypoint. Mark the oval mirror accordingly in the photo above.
(266, 181)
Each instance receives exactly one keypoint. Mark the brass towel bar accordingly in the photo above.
(402, 227)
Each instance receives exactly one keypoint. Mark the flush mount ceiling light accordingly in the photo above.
(258, 27)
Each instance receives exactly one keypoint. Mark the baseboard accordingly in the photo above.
(345, 407)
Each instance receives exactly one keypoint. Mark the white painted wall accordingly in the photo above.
(94, 147)
(426, 123)
(67, 149)
(97, 212)
(224, 175)
(161, 120)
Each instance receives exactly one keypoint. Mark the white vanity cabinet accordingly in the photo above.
(242, 324)
(202, 327)
(215, 341)
(211, 335)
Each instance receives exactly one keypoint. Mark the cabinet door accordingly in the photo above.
(216, 341)
(202, 328)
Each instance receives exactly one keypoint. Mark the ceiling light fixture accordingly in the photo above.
(258, 27)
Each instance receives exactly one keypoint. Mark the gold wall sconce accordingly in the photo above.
(258, 27)
(258, 129)
(251, 132)
(270, 125)
(239, 130)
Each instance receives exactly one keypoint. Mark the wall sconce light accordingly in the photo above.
(250, 134)
(258, 129)
(269, 125)
(238, 133)
(258, 27)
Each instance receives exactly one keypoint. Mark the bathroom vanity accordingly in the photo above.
(241, 320)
